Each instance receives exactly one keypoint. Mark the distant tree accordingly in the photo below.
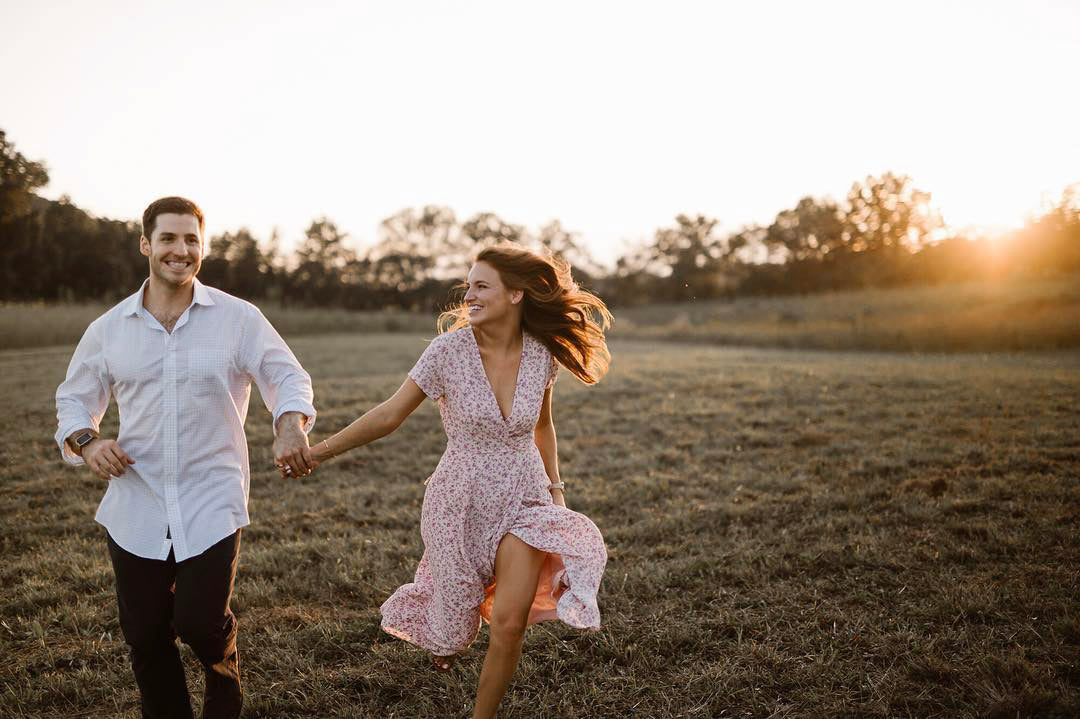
(429, 236)
(568, 245)
(322, 257)
(19, 178)
(1051, 243)
(693, 258)
(889, 213)
(236, 264)
(809, 231)
(487, 228)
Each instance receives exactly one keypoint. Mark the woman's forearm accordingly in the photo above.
(546, 442)
(373, 424)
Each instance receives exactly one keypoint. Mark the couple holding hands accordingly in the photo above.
(179, 358)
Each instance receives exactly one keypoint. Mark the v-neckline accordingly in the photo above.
(491, 388)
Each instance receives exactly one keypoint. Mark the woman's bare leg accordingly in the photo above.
(517, 570)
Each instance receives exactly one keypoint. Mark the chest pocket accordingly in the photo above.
(207, 371)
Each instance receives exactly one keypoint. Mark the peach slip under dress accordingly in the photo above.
(490, 482)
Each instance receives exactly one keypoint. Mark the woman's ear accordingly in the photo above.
(516, 296)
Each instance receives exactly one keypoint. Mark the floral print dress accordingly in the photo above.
(490, 482)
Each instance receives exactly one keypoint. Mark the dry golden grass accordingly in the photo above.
(791, 534)
(978, 316)
(983, 316)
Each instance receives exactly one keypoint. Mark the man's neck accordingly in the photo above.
(162, 296)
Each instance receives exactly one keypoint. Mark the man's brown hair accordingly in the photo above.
(170, 205)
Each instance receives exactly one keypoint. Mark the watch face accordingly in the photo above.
(83, 439)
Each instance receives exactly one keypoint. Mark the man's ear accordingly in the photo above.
(144, 245)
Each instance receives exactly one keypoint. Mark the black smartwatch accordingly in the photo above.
(82, 440)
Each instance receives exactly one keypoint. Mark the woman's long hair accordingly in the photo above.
(569, 320)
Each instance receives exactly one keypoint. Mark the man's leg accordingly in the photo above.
(206, 624)
(144, 596)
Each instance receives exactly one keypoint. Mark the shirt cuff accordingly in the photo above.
(66, 431)
(301, 407)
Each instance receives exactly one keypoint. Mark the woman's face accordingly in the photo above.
(488, 299)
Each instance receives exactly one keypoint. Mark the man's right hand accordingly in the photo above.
(105, 458)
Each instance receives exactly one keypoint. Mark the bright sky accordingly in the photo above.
(612, 117)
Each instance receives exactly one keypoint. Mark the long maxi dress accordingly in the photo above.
(490, 482)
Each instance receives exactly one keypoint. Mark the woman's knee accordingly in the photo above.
(507, 630)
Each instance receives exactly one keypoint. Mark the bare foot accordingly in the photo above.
(444, 664)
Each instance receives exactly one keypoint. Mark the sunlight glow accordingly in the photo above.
(611, 117)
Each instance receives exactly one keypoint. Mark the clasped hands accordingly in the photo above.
(292, 455)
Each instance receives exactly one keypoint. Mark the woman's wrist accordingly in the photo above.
(322, 451)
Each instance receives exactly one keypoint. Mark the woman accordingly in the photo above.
(499, 542)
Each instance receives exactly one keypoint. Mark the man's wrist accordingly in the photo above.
(291, 420)
(80, 439)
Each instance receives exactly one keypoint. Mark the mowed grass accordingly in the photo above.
(811, 534)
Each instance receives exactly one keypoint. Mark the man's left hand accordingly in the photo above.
(291, 452)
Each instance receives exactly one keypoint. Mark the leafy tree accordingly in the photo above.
(487, 228)
(693, 257)
(236, 264)
(889, 213)
(566, 244)
(322, 257)
(810, 230)
(19, 178)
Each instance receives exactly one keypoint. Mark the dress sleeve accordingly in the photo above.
(553, 373)
(427, 373)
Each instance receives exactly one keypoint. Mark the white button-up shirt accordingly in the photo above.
(182, 399)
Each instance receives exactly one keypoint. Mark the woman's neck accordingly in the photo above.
(505, 336)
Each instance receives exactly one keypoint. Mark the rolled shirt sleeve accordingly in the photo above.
(83, 396)
(284, 385)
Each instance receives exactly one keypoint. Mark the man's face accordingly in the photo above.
(174, 249)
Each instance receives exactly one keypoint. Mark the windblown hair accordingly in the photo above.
(569, 321)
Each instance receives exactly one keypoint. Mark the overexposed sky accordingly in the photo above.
(612, 117)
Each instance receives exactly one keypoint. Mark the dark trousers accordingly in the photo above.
(160, 600)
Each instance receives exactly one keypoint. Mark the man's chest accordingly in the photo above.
(192, 362)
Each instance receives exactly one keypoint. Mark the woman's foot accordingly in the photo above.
(444, 664)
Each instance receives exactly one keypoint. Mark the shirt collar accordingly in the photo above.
(201, 295)
(134, 305)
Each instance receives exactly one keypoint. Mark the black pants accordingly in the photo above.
(160, 600)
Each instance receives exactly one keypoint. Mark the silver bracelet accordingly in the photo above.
(556, 485)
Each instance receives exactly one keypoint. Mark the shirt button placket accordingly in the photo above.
(171, 414)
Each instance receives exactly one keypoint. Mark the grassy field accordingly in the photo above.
(984, 316)
(977, 316)
(791, 534)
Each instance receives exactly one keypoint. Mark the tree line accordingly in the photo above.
(883, 234)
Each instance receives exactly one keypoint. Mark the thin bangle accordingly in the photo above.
(328, 450)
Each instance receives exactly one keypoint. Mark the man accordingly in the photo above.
(179, 358)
